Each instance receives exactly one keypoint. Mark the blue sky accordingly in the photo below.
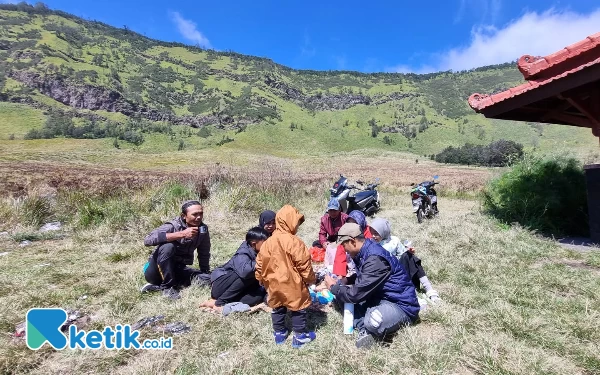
(367, 36)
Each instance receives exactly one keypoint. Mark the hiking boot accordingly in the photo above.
(149, 288)
(171, 293)
(280, 336)
(365, 340)
(300, 339)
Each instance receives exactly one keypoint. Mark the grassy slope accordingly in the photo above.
(441, 96)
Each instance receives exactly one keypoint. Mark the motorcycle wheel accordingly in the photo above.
(420, 215)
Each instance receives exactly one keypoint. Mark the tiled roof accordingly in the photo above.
(539, 71)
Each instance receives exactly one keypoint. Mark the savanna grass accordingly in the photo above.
(511, 302)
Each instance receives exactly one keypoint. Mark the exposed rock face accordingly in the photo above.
(329, 102)
(82, 96)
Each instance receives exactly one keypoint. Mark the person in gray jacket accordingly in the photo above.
(175, 243)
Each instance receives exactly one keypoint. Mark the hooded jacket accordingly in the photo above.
(283, 264)
(243, 263)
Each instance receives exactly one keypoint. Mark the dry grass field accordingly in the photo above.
(513, 302)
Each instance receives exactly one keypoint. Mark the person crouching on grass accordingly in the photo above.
(383, 294)
(175, 243)
(284, 267)
(234, 281)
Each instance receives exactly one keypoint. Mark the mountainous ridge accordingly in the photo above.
(60, 63)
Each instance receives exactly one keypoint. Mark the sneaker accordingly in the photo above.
(171, 293)
(280, 336)
(300, 339)
(365, 340)
(149, 288)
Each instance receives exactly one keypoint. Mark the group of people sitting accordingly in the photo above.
(371, 269)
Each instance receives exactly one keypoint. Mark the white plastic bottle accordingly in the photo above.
(348, 318)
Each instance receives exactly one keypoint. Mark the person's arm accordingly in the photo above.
(203, 251)
(323, 234)
(258, 268)
(374, 273)
(246, 268)
(302, 263)
(162, 234)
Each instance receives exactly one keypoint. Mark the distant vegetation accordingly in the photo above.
(496, 154)
(61, 125)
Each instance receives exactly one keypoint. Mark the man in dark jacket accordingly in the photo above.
(176, 241)
(235, 281)
(383, 295)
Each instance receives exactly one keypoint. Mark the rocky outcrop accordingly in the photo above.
(98, 98)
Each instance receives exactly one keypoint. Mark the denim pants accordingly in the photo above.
(381, 319)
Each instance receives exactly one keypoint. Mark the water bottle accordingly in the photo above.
(348, 318)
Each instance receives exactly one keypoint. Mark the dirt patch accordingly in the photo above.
(572, 263)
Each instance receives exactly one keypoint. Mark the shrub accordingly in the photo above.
(545, 195)
(496, 154)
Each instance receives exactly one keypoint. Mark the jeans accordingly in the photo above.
(163, 270)
(298, 319)
(381, 319)
(231, 288)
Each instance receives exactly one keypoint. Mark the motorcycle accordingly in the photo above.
(366, 200)
(424, 199)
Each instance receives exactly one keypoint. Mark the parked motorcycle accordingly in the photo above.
(366, 199)
(424, 199)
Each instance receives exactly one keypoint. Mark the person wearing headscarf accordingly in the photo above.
(167, 268)
(266, 221)
(381, 231)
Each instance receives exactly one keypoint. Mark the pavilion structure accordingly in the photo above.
(561, 88)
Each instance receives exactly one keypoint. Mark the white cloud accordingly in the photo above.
(188, 29)
(307, 50)
(405, 68)
(487, 10)
(534, 33)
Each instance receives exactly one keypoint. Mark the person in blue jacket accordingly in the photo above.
(235, 281)
(383, 295)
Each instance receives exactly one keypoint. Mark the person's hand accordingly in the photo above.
(330, 281)
(321, 287)
(411, 250)
(190, 232)
(210, 303)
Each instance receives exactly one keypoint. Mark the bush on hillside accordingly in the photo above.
(496, 154)
(545, 195)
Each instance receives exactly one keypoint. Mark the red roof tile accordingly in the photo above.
(543, 70)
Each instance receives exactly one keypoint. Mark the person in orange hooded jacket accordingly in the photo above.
(284, 267)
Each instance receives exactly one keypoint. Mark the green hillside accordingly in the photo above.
(64, 76)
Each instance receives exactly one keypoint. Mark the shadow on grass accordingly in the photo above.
(316, 319)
